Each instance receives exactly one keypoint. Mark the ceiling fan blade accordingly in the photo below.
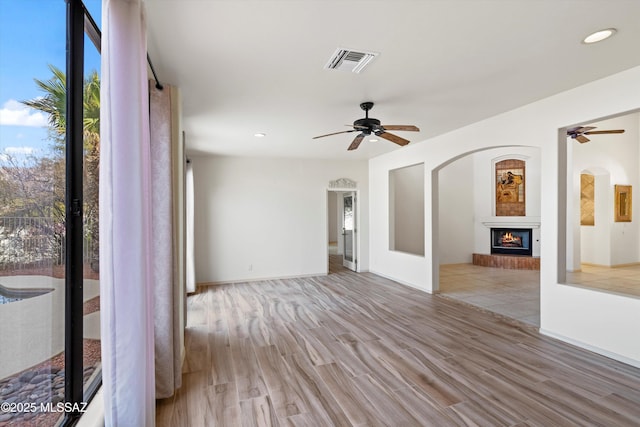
(393, 138)
(582, 139)
(579, 129)
(336, 133)
(583, 129)
(356, 142)
(600, 132)
(357, 126)
(401, 127)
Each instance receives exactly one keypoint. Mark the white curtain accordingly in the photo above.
(190, 243)
(126, 289)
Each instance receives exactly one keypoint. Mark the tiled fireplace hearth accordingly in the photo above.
(516, 262)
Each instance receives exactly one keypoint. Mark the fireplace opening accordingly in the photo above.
(511, 241)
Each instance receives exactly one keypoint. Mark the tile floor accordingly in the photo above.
(511, 293)
(516, 293)
(619, 280)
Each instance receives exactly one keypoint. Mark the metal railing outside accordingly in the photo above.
(36, 242)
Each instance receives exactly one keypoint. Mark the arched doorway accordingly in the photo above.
(467, 209)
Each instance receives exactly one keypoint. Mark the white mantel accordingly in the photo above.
(511, 222)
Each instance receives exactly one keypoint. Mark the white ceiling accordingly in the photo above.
(258, 66)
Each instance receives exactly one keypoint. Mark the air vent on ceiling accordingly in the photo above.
(350, 60)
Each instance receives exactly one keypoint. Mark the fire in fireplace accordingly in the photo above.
(511, 241)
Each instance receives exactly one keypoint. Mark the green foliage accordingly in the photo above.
(54, 104)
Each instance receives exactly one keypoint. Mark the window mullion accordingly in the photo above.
(73, 205)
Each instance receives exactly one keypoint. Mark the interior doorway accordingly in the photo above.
(349, 258)
(342, 232)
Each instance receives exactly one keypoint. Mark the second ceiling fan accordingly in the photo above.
(578, 133)
(368, 125)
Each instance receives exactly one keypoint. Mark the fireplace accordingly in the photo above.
(511, 241)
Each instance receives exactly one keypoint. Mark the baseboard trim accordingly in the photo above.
(631, 264)
(258, 279)
(594, 349)
(410, 285)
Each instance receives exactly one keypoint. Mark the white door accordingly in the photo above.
(349, 259)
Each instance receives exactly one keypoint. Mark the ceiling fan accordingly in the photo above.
(368, 126)
(578, 133)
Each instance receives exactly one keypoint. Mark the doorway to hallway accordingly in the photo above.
(342, 233)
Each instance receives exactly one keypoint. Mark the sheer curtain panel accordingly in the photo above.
(167, 281)
(190, 258)
(125, 219)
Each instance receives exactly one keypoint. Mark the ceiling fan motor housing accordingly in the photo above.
(367, 125)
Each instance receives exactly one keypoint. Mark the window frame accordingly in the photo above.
(78, 19)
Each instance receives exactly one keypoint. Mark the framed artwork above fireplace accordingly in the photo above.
(510, 188)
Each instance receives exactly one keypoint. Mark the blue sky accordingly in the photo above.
(32, 35)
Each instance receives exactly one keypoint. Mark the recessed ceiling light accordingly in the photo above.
(598, 36)
(259, 135)
(373, 140)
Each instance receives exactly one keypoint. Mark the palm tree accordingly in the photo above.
(54, 104)
(91, 128)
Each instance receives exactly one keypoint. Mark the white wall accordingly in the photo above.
(457, 190)
(266, 218)
(613, 159)
(603, 322)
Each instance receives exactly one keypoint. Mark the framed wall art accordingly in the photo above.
(622, 203)
(510, 188)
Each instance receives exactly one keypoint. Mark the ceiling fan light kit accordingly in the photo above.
(368, 125)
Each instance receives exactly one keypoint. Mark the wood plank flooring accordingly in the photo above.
(353, 349)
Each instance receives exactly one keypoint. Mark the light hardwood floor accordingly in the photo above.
(353, 349)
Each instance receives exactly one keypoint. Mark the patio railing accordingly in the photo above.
(36, 242)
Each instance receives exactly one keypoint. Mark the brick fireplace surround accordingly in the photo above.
(515, 262)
